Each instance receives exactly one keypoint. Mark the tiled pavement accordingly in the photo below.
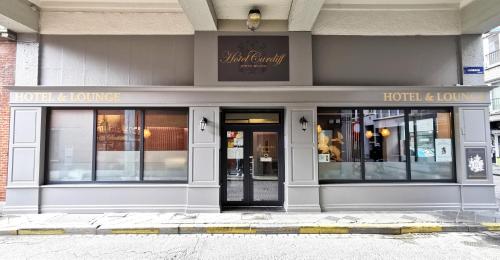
(245, 222)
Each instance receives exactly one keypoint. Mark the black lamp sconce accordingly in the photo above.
(303, 122)
(203, 123)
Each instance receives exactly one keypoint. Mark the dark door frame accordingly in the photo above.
(248, 129)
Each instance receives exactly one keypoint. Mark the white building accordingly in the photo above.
(491, 47)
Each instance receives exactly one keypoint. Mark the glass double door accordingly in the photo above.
(252, 165)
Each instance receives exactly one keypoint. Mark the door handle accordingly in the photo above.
(251, 165)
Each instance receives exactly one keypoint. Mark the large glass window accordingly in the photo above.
(385, 145)
(339, 144)
(165, 145)
(70, 145)
(118, 145)
(431, 146)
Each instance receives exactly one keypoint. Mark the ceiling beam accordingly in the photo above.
(201, 14)
(303, 14)
(19, 16)
(480, 16)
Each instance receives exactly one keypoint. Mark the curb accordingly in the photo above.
(383, 229)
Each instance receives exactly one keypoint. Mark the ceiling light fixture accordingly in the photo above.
(253, 20)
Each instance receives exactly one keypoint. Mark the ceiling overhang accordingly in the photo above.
(321, 17)
(19, 16)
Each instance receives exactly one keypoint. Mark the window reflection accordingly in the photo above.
(70, 145)
(431, 144)
(339, 144)
(384, 145)
(235, 165)
(374, 144)
(118, 145)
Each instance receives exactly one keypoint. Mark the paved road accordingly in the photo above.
(414, 246)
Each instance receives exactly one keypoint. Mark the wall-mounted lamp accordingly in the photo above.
(203, 123)
(303, 122)
(369, 134)
(253, 20)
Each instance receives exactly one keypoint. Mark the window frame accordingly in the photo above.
(406, 116)
(94, 180)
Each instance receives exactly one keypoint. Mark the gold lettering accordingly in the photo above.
(387, 97)
(61, 97)
(396, 97)
(28, 97)
(99, 97)
(255, 57)
(18, 97)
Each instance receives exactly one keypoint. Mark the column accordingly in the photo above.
(472, 56)
(27, 60)
(25, 160)
(203, 185)
(301, 178)
(473, 158)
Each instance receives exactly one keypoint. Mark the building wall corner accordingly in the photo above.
(7, 78)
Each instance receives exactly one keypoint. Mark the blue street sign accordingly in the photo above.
(473, 70)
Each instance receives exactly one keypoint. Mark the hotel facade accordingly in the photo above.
(177, 106)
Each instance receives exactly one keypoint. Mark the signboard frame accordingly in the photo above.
(253, 58)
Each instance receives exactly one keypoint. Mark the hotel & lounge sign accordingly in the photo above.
(427, 97)
(253, 58)
(65, 97)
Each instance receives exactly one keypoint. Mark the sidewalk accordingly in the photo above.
(251, 223)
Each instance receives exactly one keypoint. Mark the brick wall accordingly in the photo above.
(7, 70)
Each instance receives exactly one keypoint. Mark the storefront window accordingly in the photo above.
(70, 145)
(385, 145)
(165, 145)
(118, 145)
(431, 144)
(339, 144)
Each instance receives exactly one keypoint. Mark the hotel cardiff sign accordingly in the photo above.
(253, 58)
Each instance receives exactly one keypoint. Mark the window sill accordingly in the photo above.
(384, 184)
(113, 185)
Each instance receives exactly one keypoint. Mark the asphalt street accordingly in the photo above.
(414, 246)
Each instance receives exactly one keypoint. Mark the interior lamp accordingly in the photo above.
(147, 133)
(385, 132)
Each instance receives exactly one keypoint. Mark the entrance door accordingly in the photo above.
(252, 159)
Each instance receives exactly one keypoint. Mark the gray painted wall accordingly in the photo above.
(374, 60)
(116, 60)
